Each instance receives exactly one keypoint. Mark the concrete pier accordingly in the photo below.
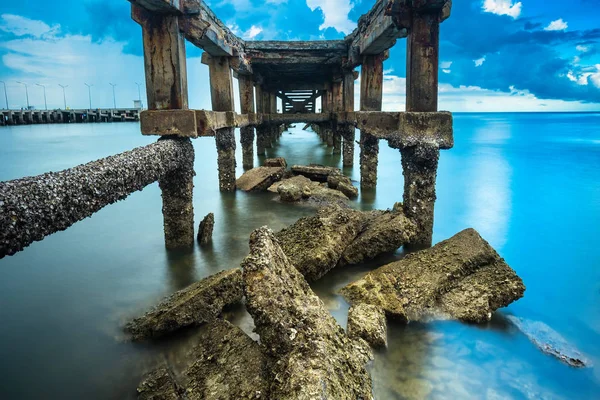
(25, 117)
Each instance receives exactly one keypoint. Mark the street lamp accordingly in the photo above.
(64, 95)
(45, 104)
(5, 94)
(114, 98)
(139, 94)
(26, 93)
(89, 93)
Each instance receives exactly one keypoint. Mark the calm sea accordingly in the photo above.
(529, 183)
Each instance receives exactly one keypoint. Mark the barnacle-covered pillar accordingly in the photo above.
(247, 107)
(166, 88)
(221, 93)
(338, 105)
(261, 130)
(371, 86)
(274, 128)
(348, 130)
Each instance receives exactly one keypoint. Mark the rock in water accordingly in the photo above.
(315, 244)
(205, 229)
(275, 162)
(225, 364)
(462, 277)
(550, 342)
(315, 172)
(336, 180)
(368, 322)
(315, 359)
(200, 302)
(384, 231)
(259, 178)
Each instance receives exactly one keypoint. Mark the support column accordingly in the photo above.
(221, 93)
(261, 129)
(338, 105)
(419, 163)
(166, 88)
(266, 100)
(348, 130)
(328, 107)
(274, 128)
(371, 86)
(247, 133)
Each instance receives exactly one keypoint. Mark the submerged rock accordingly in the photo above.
(550, 342)
(259, 178)
(315, 244)
(462, 277)
(384, 231)
(314, 358)
(200, 302)
(300, 188)
(368, 322)
(225, 364)
(336, 180)
(275, 162)
(315, 172)
(205, 229)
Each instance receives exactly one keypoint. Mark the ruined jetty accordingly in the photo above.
(300, 73)
(24, 117)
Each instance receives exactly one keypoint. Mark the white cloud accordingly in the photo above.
(479, 62)
(502, 7)
(446, 64)
(558, 25)
(446, 71)
(581, 48)
(252, 32)
(335, 13)
(21, 26)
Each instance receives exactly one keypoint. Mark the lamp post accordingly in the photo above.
(89, 93)
(114, 98)
(64, 95)
(5, 94)
(45, 103)
(139, 94)
(26, 93)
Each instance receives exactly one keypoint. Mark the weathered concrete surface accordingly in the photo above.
(383, 231)
(462, 277)
(419, 167)
(314, 172)
(368, 322)
(315, 244)
(369, 153)
(205, 230)
(200, 302)
(336, 180)
(247, 142)
(315, 358)
(275, 162)
(259, 178)
(225, 141)
(32, 208)
(316, 194)
(226, 364)
(550, 342)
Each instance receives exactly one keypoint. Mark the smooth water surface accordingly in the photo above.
(529, 183)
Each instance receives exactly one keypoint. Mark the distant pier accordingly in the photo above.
(25, 117)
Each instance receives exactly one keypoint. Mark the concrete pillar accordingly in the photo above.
(166, 88)
(247, 133)
(274, 128)
(419, 163)
(261, 130)
(327, 107)
(371, 86)
(221, 90)
(338, 105)
(348, 130)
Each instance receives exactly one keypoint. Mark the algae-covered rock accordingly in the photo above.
(315, 244)
(200, 302)
(368, 322)
(259, 178)
(315, 172)
(225, 364)
(462, 277)
(314, 358)
(336, 180)
(275, 162)
(384, 231)
(300, 188)
(205, 229)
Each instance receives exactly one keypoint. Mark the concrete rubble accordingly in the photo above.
(368, 322)
(275, 162)
(205, 229)
(313, 357)
(460, 278)
(259, 178)
(200, 302)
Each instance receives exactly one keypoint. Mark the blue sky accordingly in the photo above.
(495, 55)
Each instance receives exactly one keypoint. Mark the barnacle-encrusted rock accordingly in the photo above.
(368, 322)
(462, 277)
(314, 358)
(200, 302)
(32, 208)
(205, 229)
(299, 188)
(315, 244)
(259, 178)
(336, 180)
(226, 364)
(275, 162)
(315, 172)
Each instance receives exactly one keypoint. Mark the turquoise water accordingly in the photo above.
(527, 182)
